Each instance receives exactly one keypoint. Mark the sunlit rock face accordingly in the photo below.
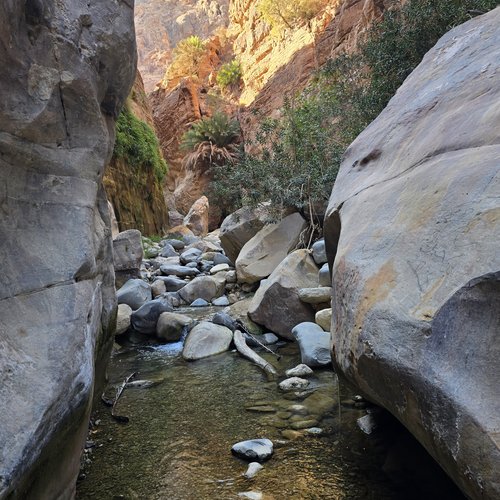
(161, 24)
(412, 233)
(67, 66)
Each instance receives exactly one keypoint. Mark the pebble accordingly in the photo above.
(253, 469)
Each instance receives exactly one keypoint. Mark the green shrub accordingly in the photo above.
(137, 144)
(229, 74)
(281, 14)
(301, 152)
(187, 58)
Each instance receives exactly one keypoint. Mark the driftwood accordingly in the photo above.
(246, 352)
(110, 402)
(256, 340)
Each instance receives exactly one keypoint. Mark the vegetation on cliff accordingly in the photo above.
(137, 144)
(187, 58)
(212, 140)
(229, 74)
(300, 153)
(281, 14)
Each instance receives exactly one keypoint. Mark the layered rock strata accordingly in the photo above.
(67, 68)
(412, 234)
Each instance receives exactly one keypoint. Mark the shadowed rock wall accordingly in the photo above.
(67, 67)
(412, 232)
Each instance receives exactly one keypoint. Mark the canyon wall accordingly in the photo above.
(133, 190)
(161, 24)
(412, 234)
(67, 69)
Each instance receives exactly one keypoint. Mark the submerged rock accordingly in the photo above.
(293, 383)
(414, 221)
(253, 469)
(259, 450)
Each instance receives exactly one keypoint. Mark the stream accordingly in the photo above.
(177, 444)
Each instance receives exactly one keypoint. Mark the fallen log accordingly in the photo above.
(246, 352)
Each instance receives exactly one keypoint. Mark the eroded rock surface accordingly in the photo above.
(414, 220)
(67, 66)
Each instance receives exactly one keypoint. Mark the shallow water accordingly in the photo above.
(178, 441)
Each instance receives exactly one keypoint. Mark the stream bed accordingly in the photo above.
(177, 444)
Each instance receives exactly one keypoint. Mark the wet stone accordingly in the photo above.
(253, 449)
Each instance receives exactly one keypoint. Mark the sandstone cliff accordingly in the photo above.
(412, 234)
(67, 68)
(161, 24)
(134, 191)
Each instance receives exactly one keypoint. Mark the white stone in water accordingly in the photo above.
(254, 449)
(367, 423)
(290, 384)
(314, 431)
(251, 495)
(299, 371)
(253, 469)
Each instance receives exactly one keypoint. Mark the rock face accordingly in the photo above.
(413, 227)
(135, 192)
(260, 256)
(276, 305)
(161, 24)
(67, 68)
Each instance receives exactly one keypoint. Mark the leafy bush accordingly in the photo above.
(212, 140)
(302, 151)
(187, 58)
(287, 14)
(137, 144)
(229, 74)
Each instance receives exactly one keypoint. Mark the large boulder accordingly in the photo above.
(412, 231)
(134, 293)
(197, 217)
(144, 320)
(67, 67)
(203, 287)
(128, 254)
(171, 326)
(276, 304)
(240, 227)
(314, 344)
(260, 256)
(206, 339)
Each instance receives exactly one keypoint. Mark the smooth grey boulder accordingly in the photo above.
(67, 68)
(123, 319)
(206, 339)
(324, 276)
(135, 293)
(168, 251)
(317, 295)
(258, 450)
(175, 244)
(171, 326)
(276, 304)
(158, 288)
(220, 258)
(127, 254)
(172, 283)
(239, 227)
(199, 303)
(319, 252)
(179, 271)
(260, 256)
(226, 320)
(314, 344)
(412, 231)
(220, 301)
(190, 255)
(202, 287)
(144, 320)
(219, 268)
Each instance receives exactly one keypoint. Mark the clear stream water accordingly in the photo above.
(177, 444)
